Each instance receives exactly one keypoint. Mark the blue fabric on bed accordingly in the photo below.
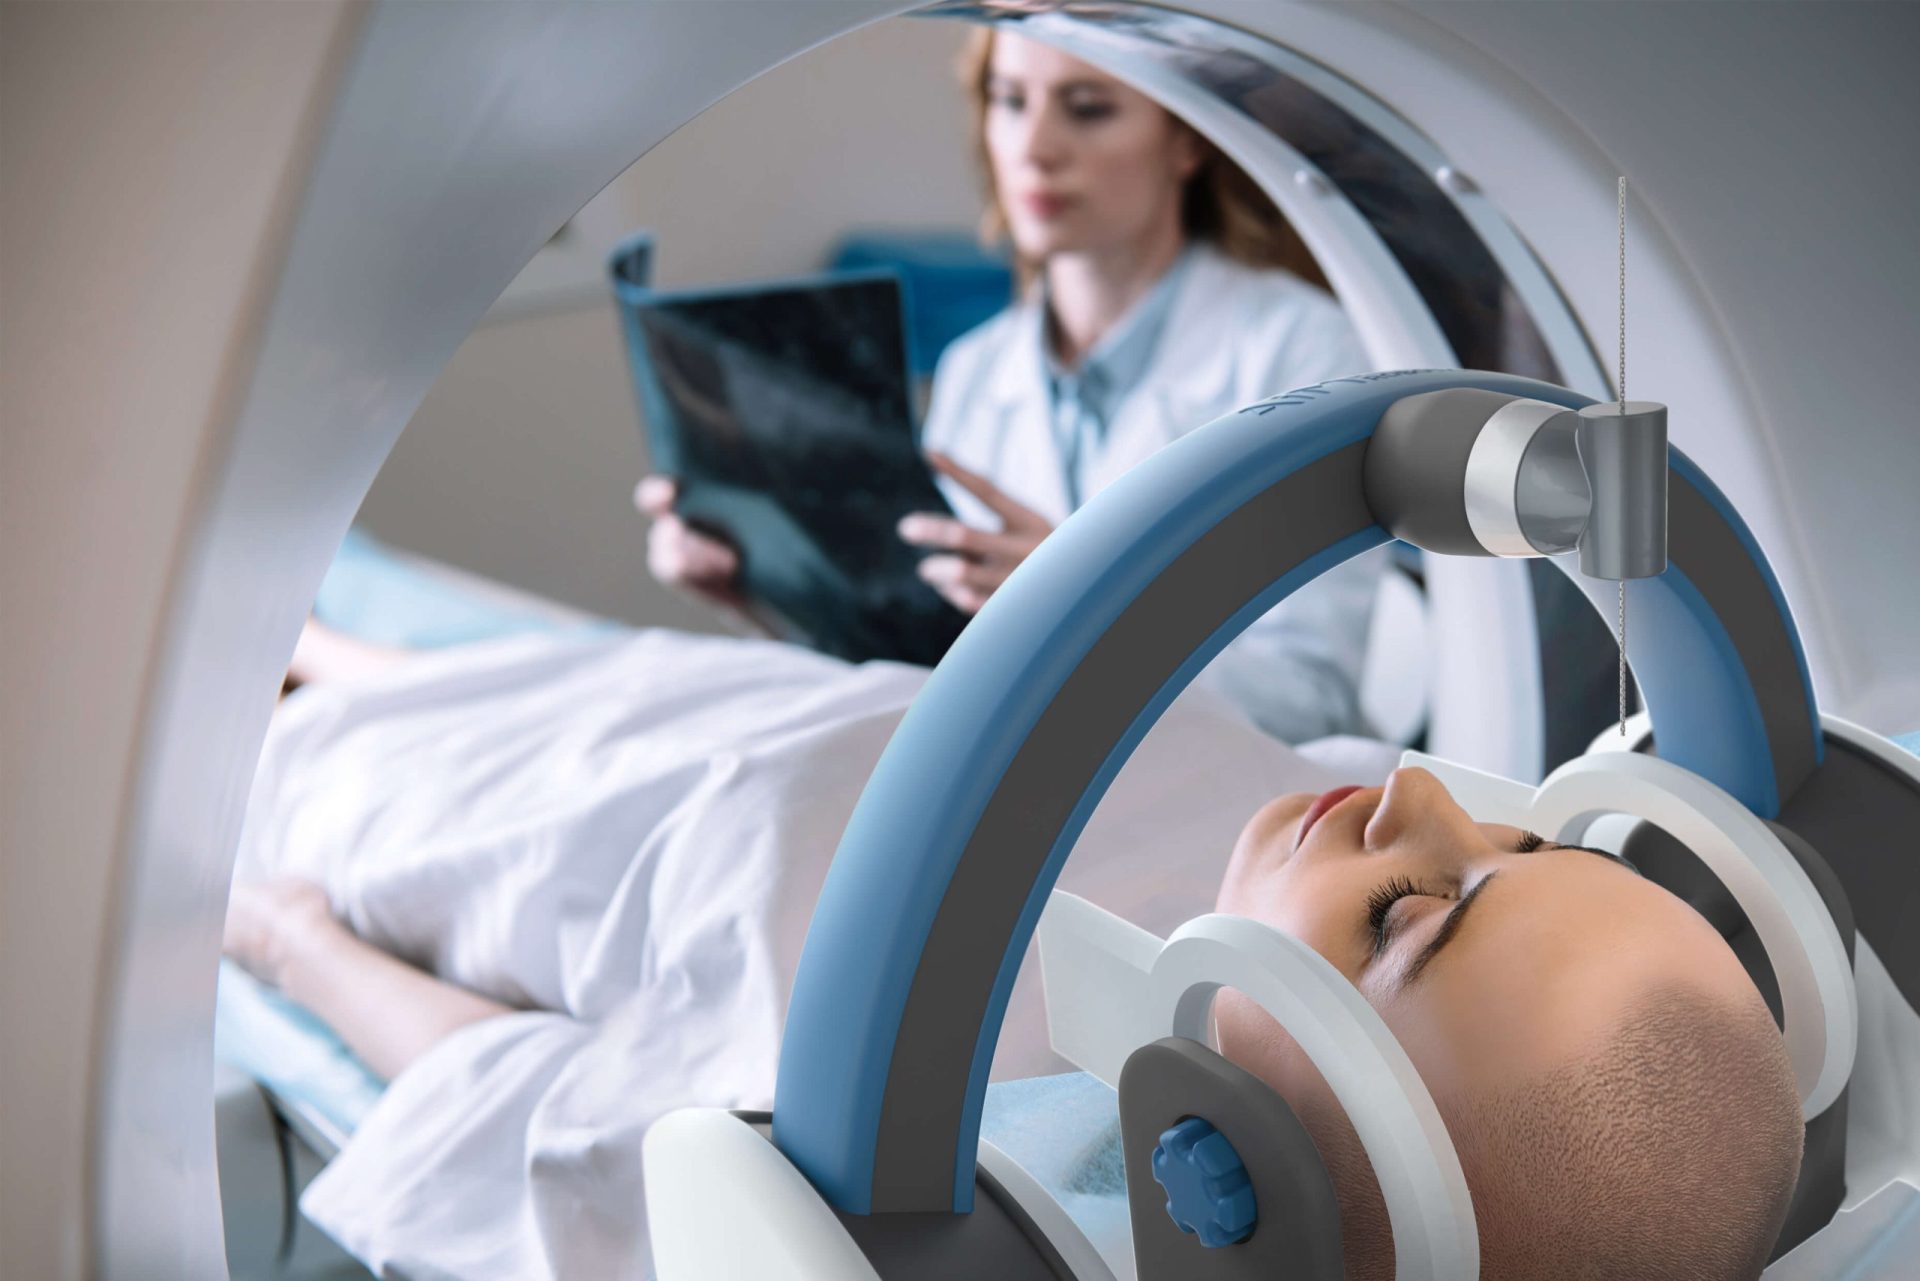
(1065, 1132)
(287, 1049)
(371, 594)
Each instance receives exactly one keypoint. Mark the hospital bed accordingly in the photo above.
(289, 1093)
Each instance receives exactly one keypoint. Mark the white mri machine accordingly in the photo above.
(242, 241)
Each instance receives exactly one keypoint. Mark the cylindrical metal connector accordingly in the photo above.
(1623, 450)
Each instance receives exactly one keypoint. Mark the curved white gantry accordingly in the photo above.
(246, 241)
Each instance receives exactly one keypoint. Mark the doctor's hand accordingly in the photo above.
(681, 556)
(974, 562)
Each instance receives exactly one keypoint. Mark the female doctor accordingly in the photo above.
(1152, 301)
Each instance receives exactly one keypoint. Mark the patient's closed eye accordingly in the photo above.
(1384, 924)
(1381, 920)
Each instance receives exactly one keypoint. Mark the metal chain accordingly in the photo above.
(1623, 410)
(1623, 293)
(1623, 657)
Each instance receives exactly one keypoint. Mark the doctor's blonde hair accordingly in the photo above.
(1221, 206)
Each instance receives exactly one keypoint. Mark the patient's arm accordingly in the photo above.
(388, 1012)
(323, 654)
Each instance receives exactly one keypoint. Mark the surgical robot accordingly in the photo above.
(870, 1164)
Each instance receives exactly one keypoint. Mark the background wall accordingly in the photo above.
(521, 462)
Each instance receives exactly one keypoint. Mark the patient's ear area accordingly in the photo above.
(1559, 952)
(1247, 1036)
(1535, 992)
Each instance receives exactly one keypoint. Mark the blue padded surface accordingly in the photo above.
(371, 594)
(291, 1052)
(1065, 1132)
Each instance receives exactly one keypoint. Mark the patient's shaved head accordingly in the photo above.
(1671, 1153)
(1620, 1098)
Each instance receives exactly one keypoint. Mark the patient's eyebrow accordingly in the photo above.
(1608, 855)
(1448, 928)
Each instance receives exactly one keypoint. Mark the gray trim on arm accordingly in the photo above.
(946, 1010)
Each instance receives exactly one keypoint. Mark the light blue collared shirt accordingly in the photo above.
(1229, 334)
(1083, 401)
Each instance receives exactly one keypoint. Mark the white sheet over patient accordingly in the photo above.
(627, 835)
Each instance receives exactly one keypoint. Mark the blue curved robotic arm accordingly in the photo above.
(949, 858)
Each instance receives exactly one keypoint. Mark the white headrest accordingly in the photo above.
(1113, 987)
(1803, 945)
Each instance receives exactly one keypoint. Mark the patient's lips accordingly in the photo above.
(1321, 804)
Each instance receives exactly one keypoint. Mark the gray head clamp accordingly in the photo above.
(1135, 1012)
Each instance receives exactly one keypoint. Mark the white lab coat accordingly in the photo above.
(1234, 335)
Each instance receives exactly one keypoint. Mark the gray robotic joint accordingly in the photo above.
(1476, 473)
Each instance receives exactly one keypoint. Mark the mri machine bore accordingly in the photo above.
(210, 455)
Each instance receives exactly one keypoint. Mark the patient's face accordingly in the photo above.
(1493, 958)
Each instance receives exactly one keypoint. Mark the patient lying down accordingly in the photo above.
(1619, 1096)
(1620, 1099)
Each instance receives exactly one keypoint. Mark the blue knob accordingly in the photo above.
(1208, 1191)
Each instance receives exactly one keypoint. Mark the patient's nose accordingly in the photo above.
(1417, 815)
